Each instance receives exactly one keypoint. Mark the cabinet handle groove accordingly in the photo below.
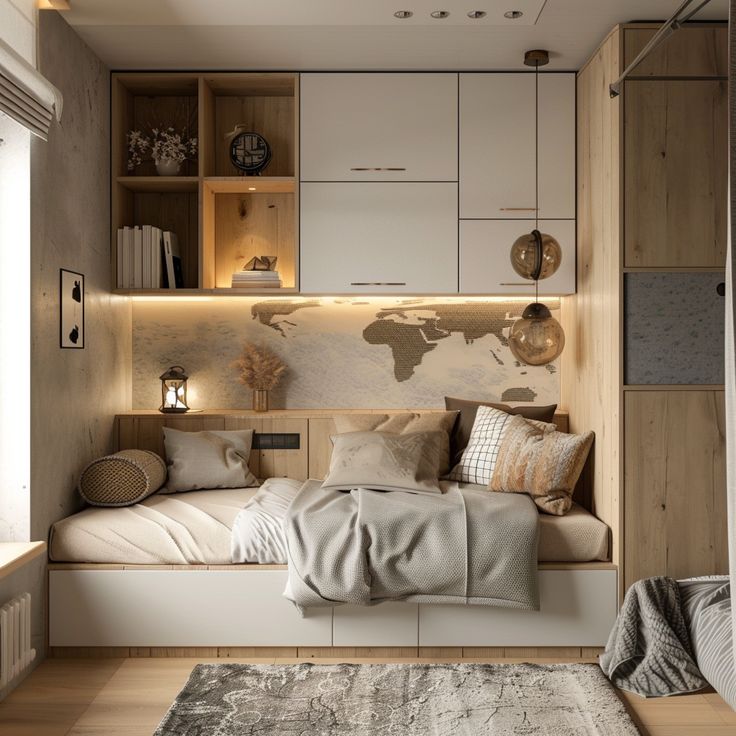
(378, 283)
(518, 209)
(516, 283)
(378, 168)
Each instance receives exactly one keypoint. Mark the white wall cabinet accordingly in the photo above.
(485, 263)
(379, 127)
(498, 146)
(379, 238)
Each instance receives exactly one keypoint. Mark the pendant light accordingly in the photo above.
(537, 338)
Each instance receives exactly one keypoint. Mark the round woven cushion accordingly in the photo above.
(122, 479)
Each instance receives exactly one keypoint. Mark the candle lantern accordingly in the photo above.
(174, 390)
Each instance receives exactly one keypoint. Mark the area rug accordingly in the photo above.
(397, 700)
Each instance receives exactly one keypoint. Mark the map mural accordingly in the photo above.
(341, 352)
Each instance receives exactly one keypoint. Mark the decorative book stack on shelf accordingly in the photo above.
(222, 219)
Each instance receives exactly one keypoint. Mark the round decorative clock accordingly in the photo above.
(250, 153)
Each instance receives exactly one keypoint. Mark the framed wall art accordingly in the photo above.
(71, 318)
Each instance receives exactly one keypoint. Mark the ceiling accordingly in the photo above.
(353, 34)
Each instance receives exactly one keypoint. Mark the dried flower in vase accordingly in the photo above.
(258, 367)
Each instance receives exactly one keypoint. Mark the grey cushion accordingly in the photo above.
(211, 459)
(385, 461)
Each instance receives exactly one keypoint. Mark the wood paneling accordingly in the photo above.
(691, 52)
(675, 484)
(590, 364)
(676, 142)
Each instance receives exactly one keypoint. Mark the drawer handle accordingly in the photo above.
(518, 209)
(378, 168)
(516, 283)
(378, 283)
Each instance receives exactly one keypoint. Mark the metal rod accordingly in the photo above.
(669, 27)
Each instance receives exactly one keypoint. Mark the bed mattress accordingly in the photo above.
(195, 528)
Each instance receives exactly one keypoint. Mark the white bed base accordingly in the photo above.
(244, 607)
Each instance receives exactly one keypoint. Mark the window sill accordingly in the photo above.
(13, 555)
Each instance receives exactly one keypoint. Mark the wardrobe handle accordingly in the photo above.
(378, 168)
(516, 283)
(378, 283)
(518, 209)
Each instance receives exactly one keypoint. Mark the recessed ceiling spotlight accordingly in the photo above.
(475, 14)
(402, 14)
(440, 13)
(513, 14)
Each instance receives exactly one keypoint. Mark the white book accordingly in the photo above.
(146, 279)
(137, 258)
(174, 274)
(119, 260)
(127, 257)
(156, 257)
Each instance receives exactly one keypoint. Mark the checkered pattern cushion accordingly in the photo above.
(479, 457)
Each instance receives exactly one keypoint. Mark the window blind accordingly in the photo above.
(25, 95)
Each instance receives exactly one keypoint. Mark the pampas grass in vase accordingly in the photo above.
(260, 369)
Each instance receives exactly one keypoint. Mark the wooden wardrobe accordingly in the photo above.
(643, 365)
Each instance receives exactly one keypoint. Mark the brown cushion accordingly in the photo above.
(546, 465)
(122, 479)
(406, 422)
(466, 418)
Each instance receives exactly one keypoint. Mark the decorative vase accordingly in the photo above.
(168, 167)
(260, 399)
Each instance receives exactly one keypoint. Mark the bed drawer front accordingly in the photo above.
(578, 608)
(178, 608)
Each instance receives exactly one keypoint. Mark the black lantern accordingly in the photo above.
(174, 391)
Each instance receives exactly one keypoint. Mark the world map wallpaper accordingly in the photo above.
(341, 352)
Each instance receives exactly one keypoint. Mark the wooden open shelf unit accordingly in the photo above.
(221, 219)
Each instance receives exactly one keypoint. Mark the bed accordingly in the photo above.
(158, 574)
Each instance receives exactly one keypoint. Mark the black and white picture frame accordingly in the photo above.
(71, 318)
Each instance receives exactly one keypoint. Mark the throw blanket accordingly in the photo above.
(365, 547)
(648, 651)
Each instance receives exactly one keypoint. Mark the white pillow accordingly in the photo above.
(384, 461)
(479, 457)
(258, 532)
(212, 459)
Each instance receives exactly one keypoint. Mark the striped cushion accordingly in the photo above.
(707, 607)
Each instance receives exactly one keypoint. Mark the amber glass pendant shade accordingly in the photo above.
(536, 255)
(537, 338)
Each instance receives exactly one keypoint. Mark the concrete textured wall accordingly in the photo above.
(75, 393)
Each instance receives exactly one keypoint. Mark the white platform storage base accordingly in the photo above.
(245, 607)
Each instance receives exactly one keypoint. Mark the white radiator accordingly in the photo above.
(16, 654)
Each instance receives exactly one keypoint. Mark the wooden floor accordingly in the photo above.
(128, 697)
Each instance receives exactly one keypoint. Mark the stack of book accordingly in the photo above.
(257, 274)
(148, 258)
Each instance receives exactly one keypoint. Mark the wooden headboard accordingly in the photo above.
(143, 430)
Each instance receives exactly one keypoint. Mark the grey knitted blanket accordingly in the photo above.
(463, 546)
(649, 651)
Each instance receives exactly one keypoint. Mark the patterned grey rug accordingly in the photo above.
(397, 700)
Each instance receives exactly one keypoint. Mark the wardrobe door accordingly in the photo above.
(675, 479)
(676, 140)
(379, 238)
(378, 127)
(485, 262)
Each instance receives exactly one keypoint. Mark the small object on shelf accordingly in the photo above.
(174, 391)
(257, 273)
(172, 255)
(167, 148)
(249, 151)
(260, 369)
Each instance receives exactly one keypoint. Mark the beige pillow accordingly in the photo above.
(122, 479)
(440, 421)
(212, 459)
(384, 461)
(546, 465)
